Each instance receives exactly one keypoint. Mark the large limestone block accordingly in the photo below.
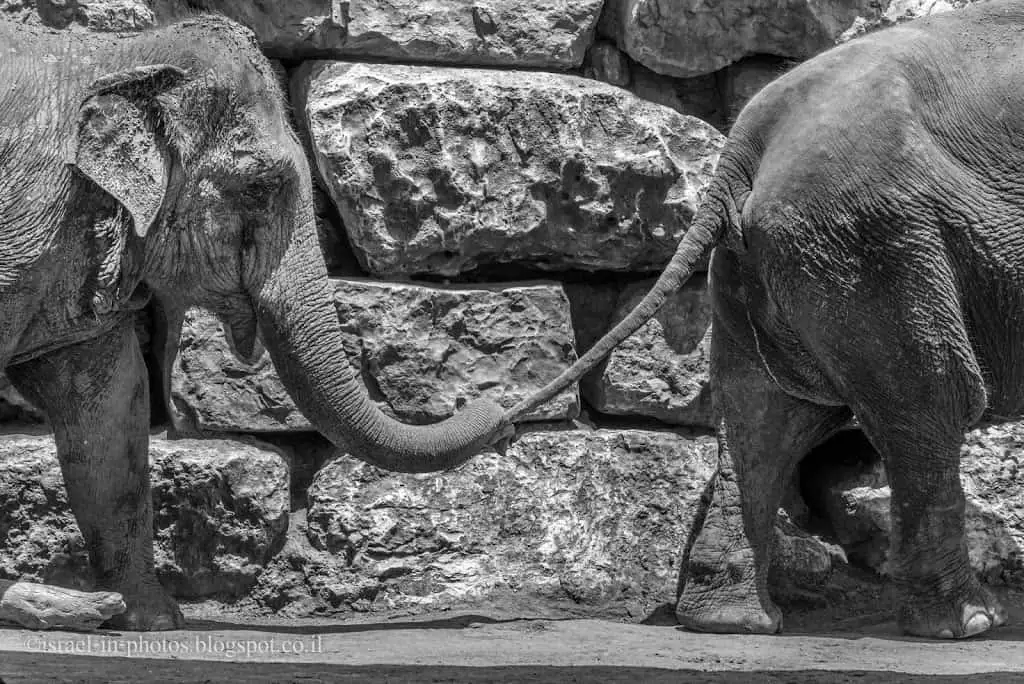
(513, 33)
(424, 350)
(95, 15)
(38, 536)
(692, 37)
(596, 517)
(441, 171)
(220, 512)
(661, 371)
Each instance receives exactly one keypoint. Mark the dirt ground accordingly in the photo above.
(841, 642)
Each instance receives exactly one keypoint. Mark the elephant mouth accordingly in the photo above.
(243, 337)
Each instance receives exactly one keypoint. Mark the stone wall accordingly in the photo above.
(498, 182)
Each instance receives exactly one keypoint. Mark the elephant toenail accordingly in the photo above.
(977, 624)
(945, 634)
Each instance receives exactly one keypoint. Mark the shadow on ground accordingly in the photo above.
(19, 668)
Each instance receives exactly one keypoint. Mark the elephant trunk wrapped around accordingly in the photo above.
(867, 220)
(300, 328)
(163, 165)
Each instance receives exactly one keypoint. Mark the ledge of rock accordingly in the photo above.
(518, 34)
(422, 351)
(442, 171)
(598, 518)
(220, 513)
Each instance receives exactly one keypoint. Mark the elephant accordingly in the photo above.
(161, 167)
(865, 225)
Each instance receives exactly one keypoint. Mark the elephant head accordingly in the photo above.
(198, 152)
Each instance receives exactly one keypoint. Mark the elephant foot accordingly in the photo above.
(41, 606)
(971, 613)
(148, 610)
(721, 593)
(726, 618)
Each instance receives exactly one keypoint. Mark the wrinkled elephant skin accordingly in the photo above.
(868, 212)
(162, 165)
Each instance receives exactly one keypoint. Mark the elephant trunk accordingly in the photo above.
(300, 329)
(701, 237)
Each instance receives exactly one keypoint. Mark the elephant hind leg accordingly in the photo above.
(916, 422)
(763, 433)
(906, 366)
(96, 396)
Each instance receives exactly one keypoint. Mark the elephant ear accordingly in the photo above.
(120, 145)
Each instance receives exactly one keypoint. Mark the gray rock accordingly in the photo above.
(598, 518)
(522, 33)
(425, 349)
(39, 539)
(661, 371)
(801, 563)
(897, 12)
(441, 171)
(692, 37)
(95, 15)
(220, 512)
(991, 467)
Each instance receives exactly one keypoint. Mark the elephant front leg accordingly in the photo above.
(97, 399)
(763, 432)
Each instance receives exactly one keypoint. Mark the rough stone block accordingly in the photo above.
(661, 371)
(220, 512)
(95, 15)
(442, 171)
(595, 517)
(425, 351)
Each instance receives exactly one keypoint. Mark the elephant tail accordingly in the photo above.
(704, 233)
